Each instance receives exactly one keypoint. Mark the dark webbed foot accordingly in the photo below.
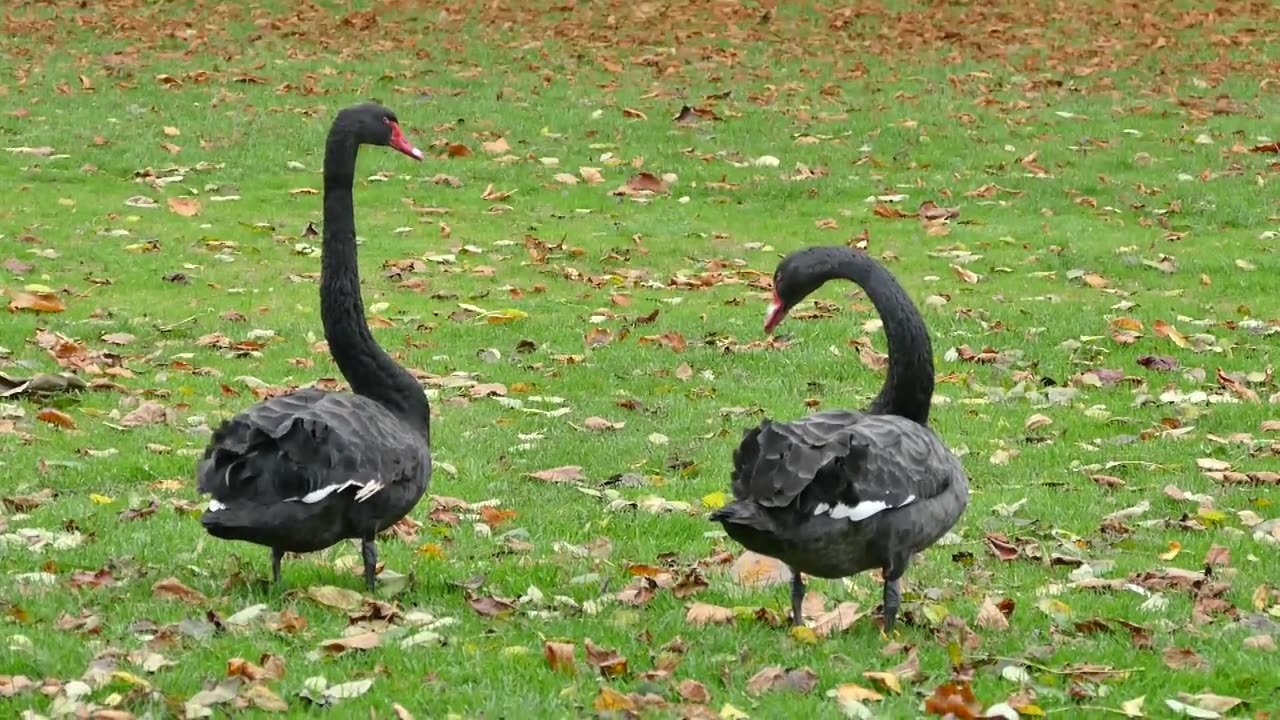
(797, 599)
(276, 556)
(369, 552)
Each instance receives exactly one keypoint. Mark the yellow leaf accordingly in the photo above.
(853, 691)
(729, 712)
(887, 680)
(497, 317)
(805, 635)
(101, 499)
(714, 501)
(38, 288)
(1032, 710)
(130, 679)
(1133, 708)
(432, 550)
(1175, 547)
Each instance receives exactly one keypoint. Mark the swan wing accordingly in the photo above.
(308, 445)
(848, 465)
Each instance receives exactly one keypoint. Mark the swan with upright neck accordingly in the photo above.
(839, 492)
(301, 472)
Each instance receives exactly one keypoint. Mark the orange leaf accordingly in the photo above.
(184, 206)
(36, 302)
(56, 417)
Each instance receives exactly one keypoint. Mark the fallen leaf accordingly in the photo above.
(172, 588)
(953, 699)
(758, 571)
(701, 614)
(608, 662)
(363, 641)
(560, 656)
(561, 474)
(1184, 659)
(184, 206)
(56, 417)
(335, 597)
(36, 302)
(693, 691)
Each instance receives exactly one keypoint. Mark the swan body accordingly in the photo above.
(840, 492)
(303, 471)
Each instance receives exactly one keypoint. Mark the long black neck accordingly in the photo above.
(370, 371)
(908, 388)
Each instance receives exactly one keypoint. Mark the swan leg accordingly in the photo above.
(797, 598)
(892, 601)
(369, 552)
(276, 556)
(893, 572)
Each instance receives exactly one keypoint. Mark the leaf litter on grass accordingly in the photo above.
(1047, 172)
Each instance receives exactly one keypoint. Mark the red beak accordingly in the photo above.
(401, 143)
(774, 315)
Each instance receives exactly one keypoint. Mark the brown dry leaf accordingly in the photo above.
(172, 588)
(954, 699)
(184, 206)
(758, 571)
(693, 691)
(598, 337)
(1260, 643)
(929, 210)
(363, 641)
(837, 620)
(496, 147)
(564, 473)
(702, 614)
(488, 606)
(774, 677)
(559, 656)
(148, 413)
(1218, 555)
(401, 712)
(889, 212)
(1184, 659)
(590, 175)
(1237, 388)
(1209, 701)
(335, 597)
(965, 274)
(608, 662)
(1165, 330)
(36, 302)
(641, 183)
(120, 338)
(990, 617)
(56, 417)
(600, 424)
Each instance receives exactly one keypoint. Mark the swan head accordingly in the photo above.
(797, 276)
(372, 124)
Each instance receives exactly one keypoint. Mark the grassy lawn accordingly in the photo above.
(1103, 299)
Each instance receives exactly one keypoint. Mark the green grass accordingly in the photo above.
(932, 105)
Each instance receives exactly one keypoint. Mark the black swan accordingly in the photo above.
(840, 492)
(303, 471)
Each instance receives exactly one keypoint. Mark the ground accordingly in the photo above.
(1079, 196)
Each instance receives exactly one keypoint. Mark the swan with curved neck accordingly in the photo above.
(303, 471)
(839, 492)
